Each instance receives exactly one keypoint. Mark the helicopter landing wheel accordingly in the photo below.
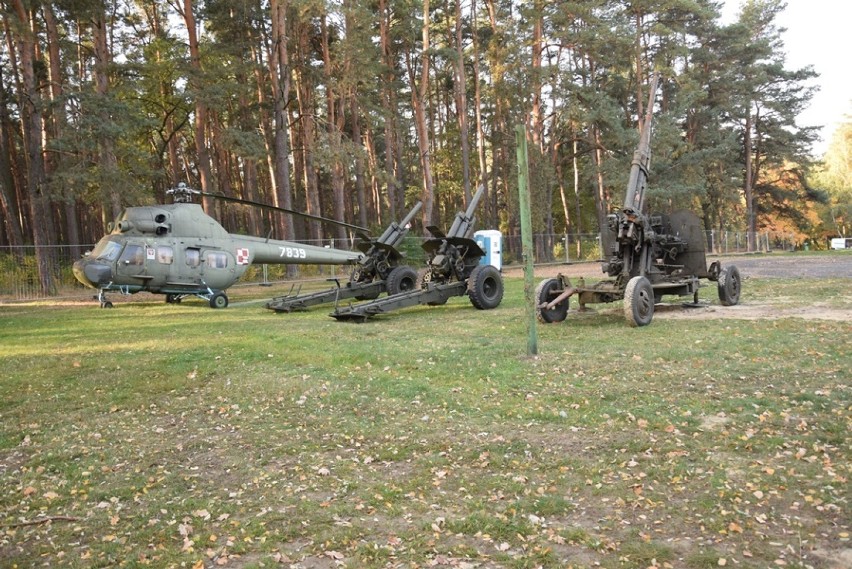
(639, 302)
(106, 304)
(173, 298)
(219, 300)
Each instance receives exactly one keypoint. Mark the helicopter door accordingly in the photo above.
(193, 266)
(219, 268)
(131, 263)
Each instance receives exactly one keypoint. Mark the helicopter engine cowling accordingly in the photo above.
(143, 226)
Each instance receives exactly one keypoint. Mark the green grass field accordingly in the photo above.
(180, 436)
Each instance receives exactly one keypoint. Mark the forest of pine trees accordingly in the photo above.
(355, 109)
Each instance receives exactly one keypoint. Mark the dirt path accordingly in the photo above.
(782, 265)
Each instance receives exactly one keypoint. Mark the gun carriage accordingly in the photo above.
(453, 269)
(649, 255)
(378, 270)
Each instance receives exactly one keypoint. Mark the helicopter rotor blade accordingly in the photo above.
(285, 210)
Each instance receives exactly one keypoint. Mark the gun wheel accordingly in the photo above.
(639, 302)
(544, 293)
(401, 279)
(485, 287)
(729, 285)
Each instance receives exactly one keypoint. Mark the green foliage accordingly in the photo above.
(835, 177)
(352, 64)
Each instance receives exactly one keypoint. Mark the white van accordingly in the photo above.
(841, 243)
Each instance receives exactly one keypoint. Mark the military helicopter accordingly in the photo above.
(179, 251)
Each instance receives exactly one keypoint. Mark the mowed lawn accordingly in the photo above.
(180, 436)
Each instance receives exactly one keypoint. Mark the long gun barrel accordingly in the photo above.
(396, 231)
(634, 200)
(463, 223)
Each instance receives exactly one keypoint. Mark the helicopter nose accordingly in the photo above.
(92, 274)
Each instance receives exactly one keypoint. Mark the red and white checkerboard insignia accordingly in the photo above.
(243, 256)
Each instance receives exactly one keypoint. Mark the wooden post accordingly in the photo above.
(526, 239)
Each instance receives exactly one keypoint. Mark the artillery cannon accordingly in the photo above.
(650, 255)
(453, 269)
(377, 271)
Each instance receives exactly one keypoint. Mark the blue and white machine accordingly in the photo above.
(491, 242)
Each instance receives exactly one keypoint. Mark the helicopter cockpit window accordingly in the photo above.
(133, 255)
(106, 250)
(217, 260)
(193, 257)
(165, 255)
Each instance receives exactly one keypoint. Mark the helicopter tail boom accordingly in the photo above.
(270, 251)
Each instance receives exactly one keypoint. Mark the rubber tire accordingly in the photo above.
(219, 300)
(401, 279)
(639, 302)
(730, 286)
(485, 287)
(106, 304)
(544, 293)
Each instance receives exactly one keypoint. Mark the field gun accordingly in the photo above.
(378, 270)
(453, 269)
(649, 255)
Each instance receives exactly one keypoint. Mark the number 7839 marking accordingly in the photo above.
(293, 252)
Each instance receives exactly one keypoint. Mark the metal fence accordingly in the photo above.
(19, 278)
(570, 248)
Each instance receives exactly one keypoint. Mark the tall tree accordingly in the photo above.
(280, 78)
(768, 98)
(196, 80)
(419, 94)
(30, 103)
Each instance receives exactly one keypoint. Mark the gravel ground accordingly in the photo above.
(777, 265)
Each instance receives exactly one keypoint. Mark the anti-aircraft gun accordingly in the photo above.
(453, 269)
(649, 255)
(378, 270)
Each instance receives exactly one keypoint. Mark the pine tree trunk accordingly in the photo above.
(489, 216)
(364, 212)
(335, 118)
(30, 105)
(107, 161)
(280, 66)
(461, 103)
(419, 94)
(8, 194)
(748, 189)
(201, 149)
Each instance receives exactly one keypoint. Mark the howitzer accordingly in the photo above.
(649, 255)
(453, 269)
(378, 270)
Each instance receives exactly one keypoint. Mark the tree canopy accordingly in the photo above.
(353, 110)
